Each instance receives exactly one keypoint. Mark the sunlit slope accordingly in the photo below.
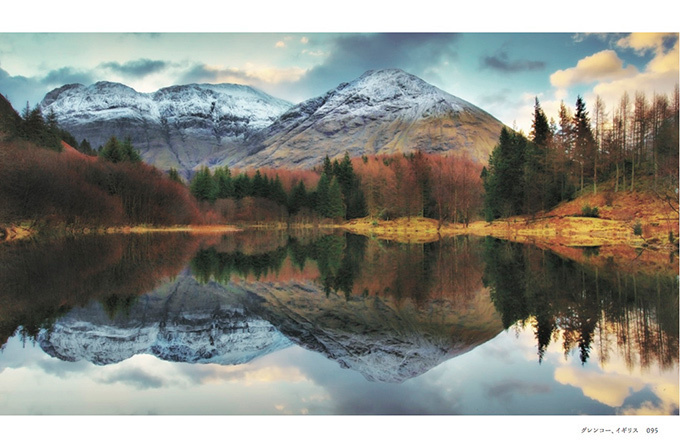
(381, 112)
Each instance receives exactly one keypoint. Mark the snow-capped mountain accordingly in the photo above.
(177, 126)
(383, 111)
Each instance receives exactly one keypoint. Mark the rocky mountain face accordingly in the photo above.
(179, 126)
(381, 112)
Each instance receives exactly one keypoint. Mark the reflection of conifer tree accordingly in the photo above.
(350, 267)
(115, 305)
(580, 303)
(204, 265)
(504, 274)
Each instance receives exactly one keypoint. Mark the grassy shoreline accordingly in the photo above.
(635, 220)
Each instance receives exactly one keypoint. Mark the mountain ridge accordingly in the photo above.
(381, 112)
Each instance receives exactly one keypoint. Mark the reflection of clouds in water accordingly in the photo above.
(246, 374)
(134, 377)
(62, 369)
(349, 393)
(505, 391)
(607, 389)
(616, 384)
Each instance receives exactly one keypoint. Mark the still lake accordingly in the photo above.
(268, 323)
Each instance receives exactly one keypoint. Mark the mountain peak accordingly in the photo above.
(381, 112)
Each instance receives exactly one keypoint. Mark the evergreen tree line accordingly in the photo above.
(338, 194)
(116, 151)
(42, 130)
(447, 188)
(558, 160)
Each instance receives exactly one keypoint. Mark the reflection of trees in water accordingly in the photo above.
(634, 314)
(354, 266)
(43, 280)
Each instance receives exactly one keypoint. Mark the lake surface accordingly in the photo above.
(273, 323)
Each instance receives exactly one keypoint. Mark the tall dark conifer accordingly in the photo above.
(584, 141)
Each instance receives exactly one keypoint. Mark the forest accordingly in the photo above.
(632, 146)
(49, 179)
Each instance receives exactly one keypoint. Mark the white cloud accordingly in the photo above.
(602, 66)
(280, 44)
(660, 74)
(612, 77)
(641, 42)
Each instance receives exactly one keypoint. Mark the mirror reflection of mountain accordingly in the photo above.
(389, 311)
(182, 321)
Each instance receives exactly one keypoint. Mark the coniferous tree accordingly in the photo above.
(537, 179)
(114, 151)
(584, 141)
(86, 148)
(225, 184)
(203, 185)
(259, 185)
(298, 198)
(130, 154)
(322, 195)
(336, 206)
(242, 186)
(111, 151)
(277, 192)
(174, 175)
(504, 181)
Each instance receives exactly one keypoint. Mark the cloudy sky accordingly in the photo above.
(500, 72)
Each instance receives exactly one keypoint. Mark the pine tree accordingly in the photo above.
(242, 186)
(111, 151)
(327, 167)
(174, 176)
(298, 198)
(537, 181)
(129, 153)
(504, 181)
(203, 185)
(584, 141)
(540, 129)
(336, 206)
(225, 184)
(277, 193)
(322, 195)
(260, 187)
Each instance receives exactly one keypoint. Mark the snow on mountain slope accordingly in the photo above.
(177, 126)
(381, 112)
(384, 111)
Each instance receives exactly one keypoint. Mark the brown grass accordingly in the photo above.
(562, 227)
